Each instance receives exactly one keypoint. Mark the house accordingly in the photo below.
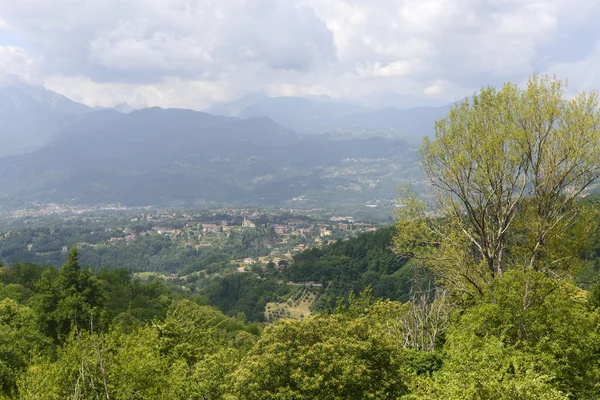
(210, 228)
(283, 264)
(160, 229)
(324, 232)
(280, 229)
(248, 224)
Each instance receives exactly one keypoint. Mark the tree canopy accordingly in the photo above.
(507, 168)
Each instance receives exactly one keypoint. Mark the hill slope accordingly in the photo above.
(31, 115)
(163, 157)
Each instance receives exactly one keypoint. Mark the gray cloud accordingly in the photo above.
(113, 40)
(13, 61)
(277, 34)
(192, 52)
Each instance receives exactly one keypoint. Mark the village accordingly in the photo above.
(283, 234)
(176, 241)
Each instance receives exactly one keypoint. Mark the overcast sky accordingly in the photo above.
(190, 53)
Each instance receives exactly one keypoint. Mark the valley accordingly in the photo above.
(176, 158)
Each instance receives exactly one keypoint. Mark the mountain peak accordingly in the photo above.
(29, 91)
(32, 114)
(123, 108)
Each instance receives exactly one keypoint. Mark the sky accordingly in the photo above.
(193, 53)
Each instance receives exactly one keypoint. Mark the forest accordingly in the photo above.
(68, 333)
(490, 291)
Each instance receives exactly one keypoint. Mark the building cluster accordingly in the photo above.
(274, 235)
(291, 233)
(46, 209)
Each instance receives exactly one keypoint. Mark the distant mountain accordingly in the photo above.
(164, 157)
(31, 115)
(123, 108)
(396, 100)
(259, 150)
(415, 122)
(302, 115)
(57, 102)
(321, 114)
(233, 109)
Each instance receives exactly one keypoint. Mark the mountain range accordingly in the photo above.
(259, 150)
(31, 115)
(322, 114)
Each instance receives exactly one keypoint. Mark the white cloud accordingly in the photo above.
(15, 61)
(191, 52)
(435, 88)
(173, 92)
(583, 75)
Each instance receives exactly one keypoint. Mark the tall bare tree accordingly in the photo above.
(507, 168)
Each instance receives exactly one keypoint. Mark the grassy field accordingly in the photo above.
(145, 276)
(297, 306)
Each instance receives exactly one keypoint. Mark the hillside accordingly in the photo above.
(31, 115)
(163, 157)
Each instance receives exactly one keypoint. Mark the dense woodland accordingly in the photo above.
(473, 297)
(69, 333)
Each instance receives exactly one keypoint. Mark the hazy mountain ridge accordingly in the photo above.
(31, 115)
(324, 114)
(158, 156)
(164, 156)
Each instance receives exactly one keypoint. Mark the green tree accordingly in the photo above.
(89, 366)
(507, 168)
(20, 343)
(74, 297)
(536, 339)
(324, 357)
(188, 356)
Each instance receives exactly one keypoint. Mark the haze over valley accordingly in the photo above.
(280, 151)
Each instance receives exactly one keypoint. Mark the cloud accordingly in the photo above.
(583, 75)
(192, 52)
(277, 34)
(118, 40)
(14, 61)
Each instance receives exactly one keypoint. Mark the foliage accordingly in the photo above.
(326, 357)
(353, 265)
(535, 339)
(244, 293)
(19, 340)
(186, 356)
(507, 168)
(75, 296)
